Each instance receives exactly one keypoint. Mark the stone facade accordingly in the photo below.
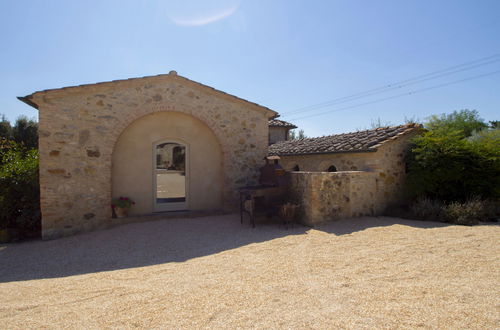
(279, 130)
(386, 162)
(325, 196)
(79, 127)
(277, 134)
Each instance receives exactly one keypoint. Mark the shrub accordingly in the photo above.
(19, 188)
(468, 213)
(492, 210)
(427, 209)
(453, 160)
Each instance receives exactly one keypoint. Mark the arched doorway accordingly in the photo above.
(170, 176)
(168, 161)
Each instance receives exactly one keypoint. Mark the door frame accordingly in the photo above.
(168, 207)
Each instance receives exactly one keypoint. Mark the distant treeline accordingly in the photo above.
(24, 131)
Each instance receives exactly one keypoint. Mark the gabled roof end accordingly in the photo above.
(27, 100)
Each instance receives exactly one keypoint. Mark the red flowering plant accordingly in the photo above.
(122, 202)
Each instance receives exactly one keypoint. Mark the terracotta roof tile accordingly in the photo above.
(361, 141)
(280, 123)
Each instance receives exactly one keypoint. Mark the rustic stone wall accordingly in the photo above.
(387, 162)
(321, 162)
(326, 196)
(277, 134)
(79, 127)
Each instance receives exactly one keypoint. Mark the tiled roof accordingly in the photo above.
(361, 141)
(280, 123)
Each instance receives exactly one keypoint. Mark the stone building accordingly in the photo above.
(171, 144)
(347, 175)
(165, 141)
(279, 130)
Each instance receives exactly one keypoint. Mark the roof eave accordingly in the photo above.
(27, 100)
(289, 127)
(326, 152)
(271, 114)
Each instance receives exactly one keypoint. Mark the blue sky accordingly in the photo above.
(284, 54)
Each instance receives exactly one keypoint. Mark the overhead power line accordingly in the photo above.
(400, 95)
(403, 83)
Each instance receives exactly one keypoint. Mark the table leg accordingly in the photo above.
(241, 208)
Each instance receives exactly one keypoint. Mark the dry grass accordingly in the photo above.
(214, 273)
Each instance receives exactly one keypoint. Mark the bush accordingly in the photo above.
(468, 213)
(19, 188)
(453, 161)
(427, 209)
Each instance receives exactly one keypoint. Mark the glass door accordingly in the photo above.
(170, 176)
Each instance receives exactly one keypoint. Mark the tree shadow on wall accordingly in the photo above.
(134, 245)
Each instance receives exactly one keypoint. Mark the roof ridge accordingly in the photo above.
(409, 125)
(359, 141)
(275, 122)
(28, 98)
(376, 129)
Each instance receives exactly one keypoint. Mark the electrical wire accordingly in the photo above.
(400, 95)
(407, 82)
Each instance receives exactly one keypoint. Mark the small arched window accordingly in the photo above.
(296, 168)
(332, 168)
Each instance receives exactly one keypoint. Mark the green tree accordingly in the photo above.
(5, 128)
(464, 121)
(25, 131)
(455, 159)
(494, 124)
(19, 187)
(294, 135)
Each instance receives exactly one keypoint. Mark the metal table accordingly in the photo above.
(260, 200)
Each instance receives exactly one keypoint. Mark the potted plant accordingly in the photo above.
(121, 205)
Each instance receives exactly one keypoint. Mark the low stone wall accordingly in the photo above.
(387, 161)
(326, 196)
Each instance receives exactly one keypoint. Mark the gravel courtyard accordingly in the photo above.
(212, 272)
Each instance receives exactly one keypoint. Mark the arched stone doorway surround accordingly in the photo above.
(133, 161)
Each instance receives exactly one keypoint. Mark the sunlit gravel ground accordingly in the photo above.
(213, 272)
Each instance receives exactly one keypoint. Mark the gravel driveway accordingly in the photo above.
(212, 272)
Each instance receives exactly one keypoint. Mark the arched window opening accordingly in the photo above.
(296, 168)
(332, 169)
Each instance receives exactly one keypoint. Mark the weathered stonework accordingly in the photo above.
(278, 130)
(327, 196)
(387, 163)
(80, 125)
(277, 134)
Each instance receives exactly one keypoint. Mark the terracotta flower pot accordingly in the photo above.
(121, 212)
